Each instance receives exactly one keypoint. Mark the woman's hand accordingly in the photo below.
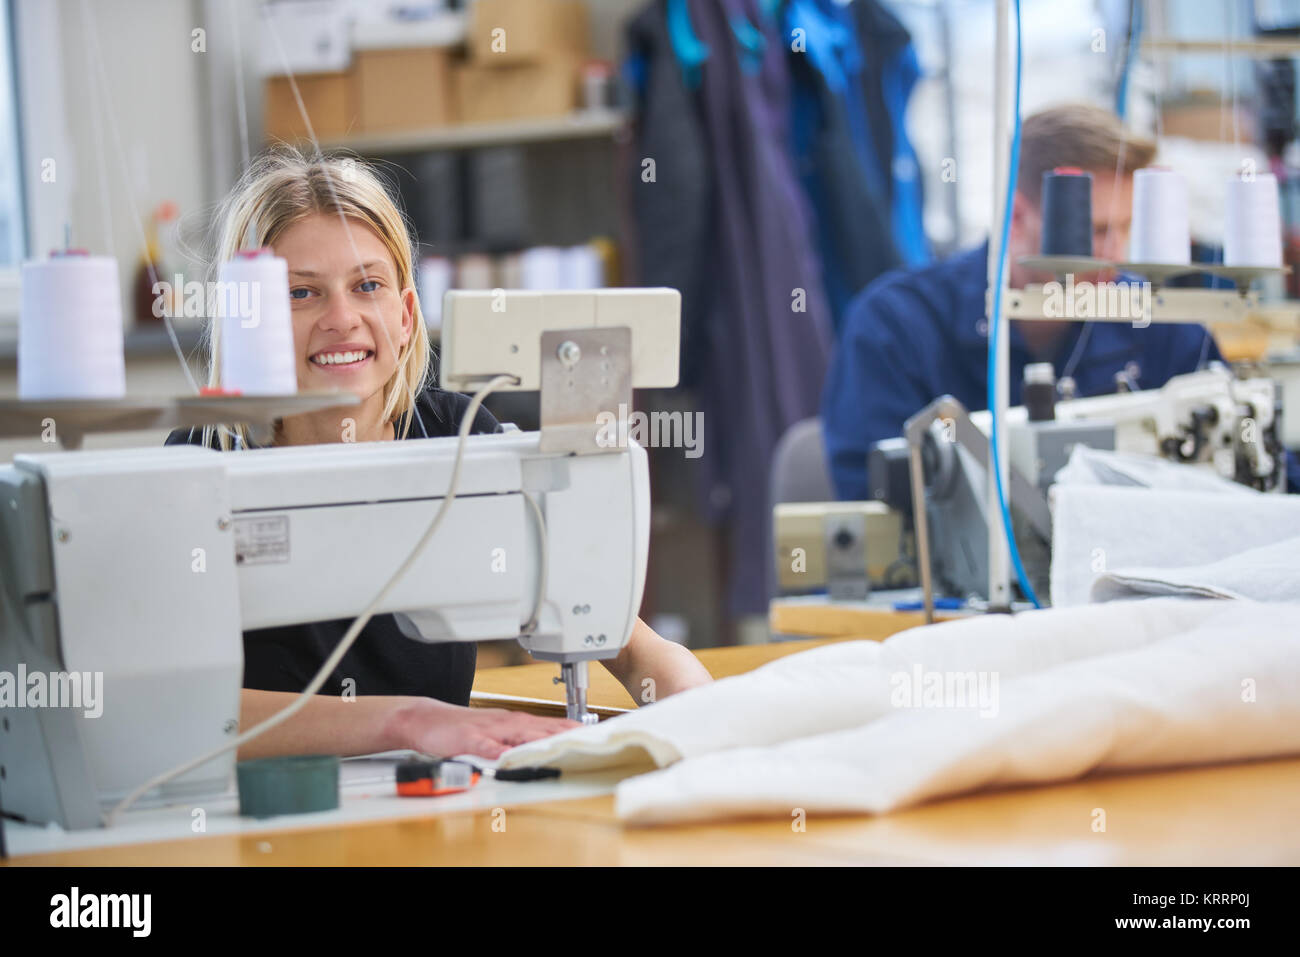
(651, 667)
(444, 730)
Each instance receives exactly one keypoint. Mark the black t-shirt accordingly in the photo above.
(382, 660)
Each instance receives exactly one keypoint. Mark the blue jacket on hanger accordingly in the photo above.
(850, 142)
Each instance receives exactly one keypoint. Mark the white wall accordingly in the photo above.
(152, 93)
(132, 125)
(175, 114)
(173, 110)
(1059, 66)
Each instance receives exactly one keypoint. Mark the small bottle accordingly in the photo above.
(1039, 391)
(147, 272)
(154, 266)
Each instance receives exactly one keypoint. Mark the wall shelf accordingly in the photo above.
(76, 418)
(585, 124)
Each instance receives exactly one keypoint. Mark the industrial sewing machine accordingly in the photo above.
(146, 565)
(1209, 419)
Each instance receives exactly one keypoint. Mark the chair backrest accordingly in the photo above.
(799, 472)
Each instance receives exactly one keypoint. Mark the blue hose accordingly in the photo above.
(994, 326)
(1130, 54)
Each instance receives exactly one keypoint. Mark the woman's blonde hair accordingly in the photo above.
(284, 186)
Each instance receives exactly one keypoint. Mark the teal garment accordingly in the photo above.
(853, 69)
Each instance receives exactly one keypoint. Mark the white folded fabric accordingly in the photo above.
(1270, 573)
(1100, 528)
(1036, 697)
(1088, 466)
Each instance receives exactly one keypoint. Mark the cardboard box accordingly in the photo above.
(405, 89)
(308, 36)
(330, 101)
(514, 32)
(488, 94)
(1199, 120)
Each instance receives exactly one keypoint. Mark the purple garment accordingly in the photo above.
(766, 361)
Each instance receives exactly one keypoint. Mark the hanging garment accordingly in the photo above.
(846, 184)
(671, 186)
(769, 328)
(890, 74)
(853, 69)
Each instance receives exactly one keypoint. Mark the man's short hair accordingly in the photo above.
(1079, 135)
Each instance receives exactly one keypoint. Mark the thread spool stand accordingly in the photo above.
(1060, 265)
(1157, 273)
(1243, 276)
(75, 418)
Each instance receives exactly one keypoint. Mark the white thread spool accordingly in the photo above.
(474, 271)
(252, 303)
(70, 329)
(543, 268)
(436, 276)
(1252, 228)
(1160, 232)
(581, 268)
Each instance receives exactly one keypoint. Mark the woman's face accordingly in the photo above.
(350, 317)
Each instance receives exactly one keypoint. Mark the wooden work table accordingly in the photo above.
(532, 687)
(1242, 814)
(816, 616)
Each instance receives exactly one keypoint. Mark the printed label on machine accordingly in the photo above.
(262, 539)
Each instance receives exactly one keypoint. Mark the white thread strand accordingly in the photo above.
(329, 182)
(88, 18)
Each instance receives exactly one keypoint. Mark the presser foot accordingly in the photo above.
(574, 676)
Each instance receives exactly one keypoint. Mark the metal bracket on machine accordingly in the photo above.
(959, 429)
(586, 389)
(846, 557)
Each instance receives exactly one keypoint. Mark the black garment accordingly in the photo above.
(853, 228)
(382, 660)
(882, 37)
(673, 225)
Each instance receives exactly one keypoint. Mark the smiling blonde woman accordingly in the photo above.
(357, 326)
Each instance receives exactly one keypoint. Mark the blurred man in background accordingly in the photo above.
(913, 336)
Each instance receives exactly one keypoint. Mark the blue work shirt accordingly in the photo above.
(914, 335)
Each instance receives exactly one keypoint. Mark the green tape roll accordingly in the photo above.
(298, 784)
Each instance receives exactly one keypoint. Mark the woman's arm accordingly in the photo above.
(370, 723)
(670, 667)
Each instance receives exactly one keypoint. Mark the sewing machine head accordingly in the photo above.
(145, 566)
(1209, 420)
